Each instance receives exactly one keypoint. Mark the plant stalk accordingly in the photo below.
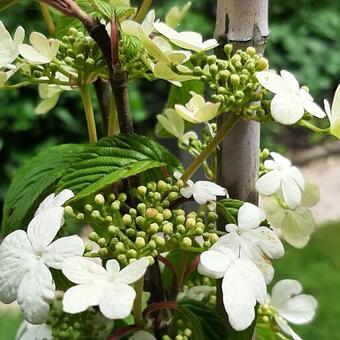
(137, 306)
(87, 102)
(143, 9)
(47, 18)
(227, 126)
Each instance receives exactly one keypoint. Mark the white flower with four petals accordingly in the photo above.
(290, 101)
(96, 286)
(251, 241)
(25, 259)
(291, 306)
(283, 178)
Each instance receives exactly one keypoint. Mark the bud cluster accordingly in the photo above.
(85, 325)
(233, 80)
(81, 53)
(143, 224)
(264, 154)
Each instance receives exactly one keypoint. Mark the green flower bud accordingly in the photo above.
(142, 190)
(211, 59)
(130, 232)
(172, 196)
(88, 248)
(72, 31)
(262, 64)
(88, 208)
(165, 204)
(151, 213)
(207, 244)
(213, 69)
(159, 218)
(161, 186)
(113, 230)
(168, 228)
(157, 196)
(152, 244)
(69, 60)
(160, 241)
(122, 197)
(213, 238)
(181, 229)
(228, 48)
(127, 220)
(140, 242)
(239, 95)
(167, 214)
(186, 242)
(225, 74)
(102, 242)
(151, 260)
(188, 332)
(152, 186)
(153, 228)
(68, 211)
(131, 253)
(140, 220)
(251, 51)
(190, 223)
(93, 236)
(141, 207)
(235, 80)
(122, 259)
(120, 247)
(37, 74)
(222, 90)
(80, 58)
(103, 252)
(99, 199)
(197, 71)
(141, 234)
(95, 214)
(114, 242)
(111, 197)
(115, 206)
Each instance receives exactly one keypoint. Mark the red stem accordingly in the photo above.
(159, 305)
(175, 278)
(192, 266)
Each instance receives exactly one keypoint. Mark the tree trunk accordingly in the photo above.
(243, 23)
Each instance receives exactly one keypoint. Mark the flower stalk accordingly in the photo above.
(227, 126)
(47, 18)
(87, 102)
(137, 306)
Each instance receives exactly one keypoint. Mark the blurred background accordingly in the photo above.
(304, 39)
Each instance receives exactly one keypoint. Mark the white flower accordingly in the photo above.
(172, 122)
(41, 50)
(50, 95)
(334, 113)
(197, 110)
(290, 101)
(6, 73)
(251, 241)
(188, 40)
(142, 335)
(55, 201)
(202, 191)
(291, 306)
(28, 331)
(243, 284)
(25, 259)
(96, 286)
(295, 226)
(175, 15)
(282, 177)
(9, 46)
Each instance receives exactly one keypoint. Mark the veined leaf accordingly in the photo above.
(33, 181)
(228, 208)
(114, 159)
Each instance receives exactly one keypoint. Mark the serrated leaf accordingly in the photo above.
(7, 3)
(103, 8)
(32, 182)
(114, 159)
(228, 208)
(64, 23)
(212, 325)
(124, 12)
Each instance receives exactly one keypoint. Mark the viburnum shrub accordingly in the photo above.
(99, 242)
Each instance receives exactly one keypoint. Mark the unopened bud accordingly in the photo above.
(186, 242)
(99, 199)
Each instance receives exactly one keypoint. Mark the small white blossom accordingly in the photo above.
(290, 101)
(8, 46)
(294, 226)
(243, 284)
(28, 331)
(197, 110)
(334, 113)
(41, 50)
(188, 40)
(172, 122)
(96, 286)
(251, 241)
(291, 306)
(282, 177)
(26, 257)
(202, 191)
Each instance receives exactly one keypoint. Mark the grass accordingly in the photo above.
(317, 267)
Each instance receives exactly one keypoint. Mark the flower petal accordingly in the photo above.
(249, 216)
(16, 258)
(83, 271)
(116, 301)
(61, 249)
(32, 55)
(294, 173)
(242, 286)
(28, 331)
(282, 323)
(186, 114)
(44, 227)
(336, 105)
(35, 293)
(310, 106)
(283, 290)
(281, 162)
(55, 201)
(290, 81)
(291, 192)
(79, 298)
(215, 263)
(274, 212)
(19, 35)
(269, 183)
(311, 195)
(134, 271)
(286, 108)
(271, 81)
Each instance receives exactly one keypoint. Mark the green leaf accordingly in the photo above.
(247, 334)
(34, 180)
(114, 159)
(212, 325)
(103, 8)
(7, 3)
(64, 23)
(228, 208)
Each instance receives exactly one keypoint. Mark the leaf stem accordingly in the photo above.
(87, 102)
(143, 9)
(137, 306)
(113, 128)
(314, 128)
(47, 18)
(227, 125)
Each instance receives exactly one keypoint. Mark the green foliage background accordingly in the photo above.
(305, 39)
